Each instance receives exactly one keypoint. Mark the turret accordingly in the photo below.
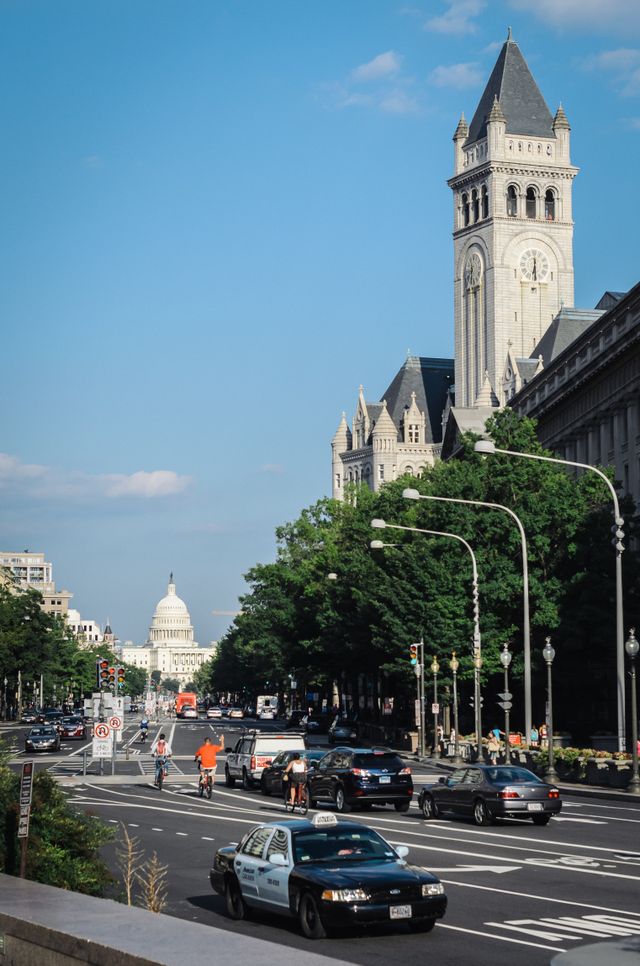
(496, 130)
(385, 443)
(460, 136)
(562, 131)
(339, 444)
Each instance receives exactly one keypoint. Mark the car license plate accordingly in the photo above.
(534, 807)
(400, 912)
(385, 780)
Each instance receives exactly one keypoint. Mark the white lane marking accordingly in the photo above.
(531, 895)
(559, 930)
(113, 821)
(153, 829)
(182, 833)
(132, 825)
(207, 838)
(585, 821)
(479, 868)
(506, 939)
(614, 808)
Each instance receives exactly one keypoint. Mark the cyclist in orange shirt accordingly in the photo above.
(207, 763)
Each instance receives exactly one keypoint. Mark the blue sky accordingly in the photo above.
(218, 218)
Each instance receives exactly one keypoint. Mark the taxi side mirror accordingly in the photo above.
(278, 859)
(402, 850)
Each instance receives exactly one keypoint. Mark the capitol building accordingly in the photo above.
(171, 648)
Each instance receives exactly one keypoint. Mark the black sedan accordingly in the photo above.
(327, 874)
(73, 727)
(360, 778)
(271, 780)
(42, 738)
(487, 792)
(342, 731)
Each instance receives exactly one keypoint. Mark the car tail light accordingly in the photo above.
(509, 793)
(252, 763)
(404, 771)
(554, 793)
(361, 772)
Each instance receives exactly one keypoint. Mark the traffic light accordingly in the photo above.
(120, 677)
(111, 680)
(103, 674)
(413, 654)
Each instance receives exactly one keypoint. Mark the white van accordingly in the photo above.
(253, 752)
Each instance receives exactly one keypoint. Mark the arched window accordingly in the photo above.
(475, 206)
(512, 201)
(550, 205)
(485, 201)
(465, 210)
(532, 202)
(408, 471)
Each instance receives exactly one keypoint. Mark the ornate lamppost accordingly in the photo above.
(631, 647)
(548, 654)
(454, 664)
(505, 660)
(435, 667)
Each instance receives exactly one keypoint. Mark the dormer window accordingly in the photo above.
(512, 201)
(414, 433)
(549, 205)
(531, 202)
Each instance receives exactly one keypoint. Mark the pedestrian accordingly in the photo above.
(493, 746)
(534, 737)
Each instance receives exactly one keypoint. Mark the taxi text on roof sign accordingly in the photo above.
(324, 818)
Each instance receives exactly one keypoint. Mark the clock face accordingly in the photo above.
(473, 270)
(534, 265)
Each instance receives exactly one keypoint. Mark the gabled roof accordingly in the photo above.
(430, 380)
(567, 326)
(519, 96)
(527, 368)
(609, 299)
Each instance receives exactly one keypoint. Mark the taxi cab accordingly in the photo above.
(326, 873)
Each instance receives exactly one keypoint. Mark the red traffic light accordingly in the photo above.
(413, 653)
(104, 665)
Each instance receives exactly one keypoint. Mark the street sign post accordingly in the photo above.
(435, 708)
(102, 741)
(26, 791)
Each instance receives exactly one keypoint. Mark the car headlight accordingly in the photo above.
(433, 889)
(345, 895)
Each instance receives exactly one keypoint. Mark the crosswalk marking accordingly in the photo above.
(576, 928)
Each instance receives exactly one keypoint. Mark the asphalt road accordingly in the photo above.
(517, 893)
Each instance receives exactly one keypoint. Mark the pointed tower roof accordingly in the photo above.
(342, 437)
(561, 120)
(512, 83)
(384, 426)
(460, 132)
(486, 396)
(496, 113)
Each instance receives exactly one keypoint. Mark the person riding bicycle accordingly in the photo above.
(144, 728)
(162, 751)
(207, 760)
(296, 774)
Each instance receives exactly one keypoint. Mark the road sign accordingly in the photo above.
(102, 748)
(505, 705)
(115, 722)
(435, 708)
(23, 825)
(101, 730)
(26, 783)
(505, 696)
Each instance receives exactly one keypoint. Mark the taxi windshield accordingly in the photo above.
(338, 844)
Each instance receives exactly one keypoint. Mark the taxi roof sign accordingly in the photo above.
(321, 819)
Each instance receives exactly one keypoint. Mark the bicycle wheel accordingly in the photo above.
(288, 804)
(304, 801)
(209, 787)
(160, 780)
(200, 788)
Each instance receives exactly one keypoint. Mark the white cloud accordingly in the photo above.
(457, 75)
(146, 484)
(623, 64)
(398, 102)
(381, 66)
(275, 468)
(47, 482)
(11, 469)
(458, 18)
(609, 14)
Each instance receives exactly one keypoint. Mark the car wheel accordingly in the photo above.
(309, 917)
(264, 788)
(429, 808)
(540, 819)
(422, 925)
(247, 784)
(481, 814)
(236, 906)
(401, 806)
(341, 802)
(228, 780)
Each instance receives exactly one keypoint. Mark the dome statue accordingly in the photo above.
(171, 623)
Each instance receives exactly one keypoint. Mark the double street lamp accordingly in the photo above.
(487, 447)
(454, 664)
(631, 648)
(505, 660)
(548, 654)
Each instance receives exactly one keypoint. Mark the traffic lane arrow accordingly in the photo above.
(498, 869)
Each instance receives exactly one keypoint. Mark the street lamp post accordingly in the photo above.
(411, 494)
(486, 447)
(549, 653)
(454, 664)
(435, 667)
(631, 648)
(477, 644)
(505, 660)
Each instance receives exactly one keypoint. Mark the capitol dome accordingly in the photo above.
(171, 623)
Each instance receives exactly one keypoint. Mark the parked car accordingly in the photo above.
(253, 752)
(214, 713)
(42, 738)
(327, 874)
(342, 731)
(317, 723)
(236, 712)
(361, 777)
(486, 792)
(272, 779)
(73, 727)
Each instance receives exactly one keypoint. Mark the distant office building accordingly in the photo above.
(31, 570)
(87, 631)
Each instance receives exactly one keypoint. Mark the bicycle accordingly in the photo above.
(161, 771)
(300, 799)
(205, 783)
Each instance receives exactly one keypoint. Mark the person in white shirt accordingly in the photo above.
(162, 751)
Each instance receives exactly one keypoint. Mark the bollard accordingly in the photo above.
(84, 763)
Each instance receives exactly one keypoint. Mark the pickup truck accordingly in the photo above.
(253, 752)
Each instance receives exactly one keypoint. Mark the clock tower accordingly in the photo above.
(513, 227)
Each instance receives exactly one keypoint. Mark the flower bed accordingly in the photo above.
(587, 766)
